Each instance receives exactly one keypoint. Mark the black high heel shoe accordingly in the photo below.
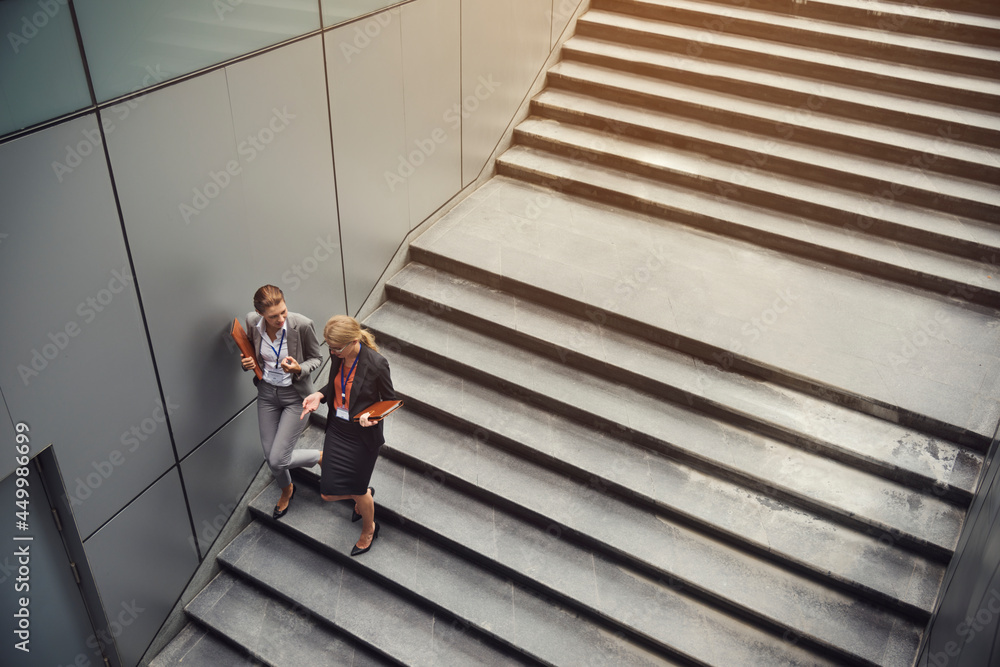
(355, 551)
(357, 517)
(280, 513)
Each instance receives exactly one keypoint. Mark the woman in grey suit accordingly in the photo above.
(287, 352)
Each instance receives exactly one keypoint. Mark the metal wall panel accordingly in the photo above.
(432, 71)
(289, 189)
(141, 561)
(366, 99)
(178, 169)
(226, 183)
(494, 82)
(75, 364)
(41, 74)
(132, 44)
(217, 474)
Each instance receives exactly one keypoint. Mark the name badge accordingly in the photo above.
(342, 414)
(273, 377)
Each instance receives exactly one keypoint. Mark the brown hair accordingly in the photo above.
(267, 296)
(342, 329)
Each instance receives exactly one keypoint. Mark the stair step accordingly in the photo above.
(902, 355)
(915, 80)
(847, 140)
(870, 566)
(682, 561)
(884, 448)
(835, 200)
(271, 630)
(466, 599)
(830, 488)
(934, 120)
(816, 34)
(920, 18)
(195, 646)
(884, 258)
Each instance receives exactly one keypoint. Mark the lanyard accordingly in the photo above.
(343, 381)
(277, 353)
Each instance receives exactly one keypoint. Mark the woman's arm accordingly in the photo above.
(311, 349)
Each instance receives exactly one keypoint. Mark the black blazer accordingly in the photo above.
(371, 384)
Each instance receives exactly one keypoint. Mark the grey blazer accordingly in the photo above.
(302, 343)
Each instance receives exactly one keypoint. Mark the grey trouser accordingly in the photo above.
(278, 410)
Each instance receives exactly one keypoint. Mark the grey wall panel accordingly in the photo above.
(132, 44)
(75, 363)
(141, 561)
(178, 167)
(8, 433)
(493, 82)
(288, 188)
(218, 473)
(432, 71)
(41, 74)
(226, 183)
(366, 98)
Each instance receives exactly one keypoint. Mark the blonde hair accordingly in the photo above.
(342, 329)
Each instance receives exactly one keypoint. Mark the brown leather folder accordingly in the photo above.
(242, 342)
(379, 410)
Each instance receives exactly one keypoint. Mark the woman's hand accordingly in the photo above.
(289, 365)
(310, 403)
(364, 421)
(248, 363)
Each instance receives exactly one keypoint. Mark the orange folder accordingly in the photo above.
(379, 410)
(242, 342)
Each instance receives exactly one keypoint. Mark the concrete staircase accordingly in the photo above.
(703, 377)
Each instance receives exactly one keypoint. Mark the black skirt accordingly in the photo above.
(347, 461)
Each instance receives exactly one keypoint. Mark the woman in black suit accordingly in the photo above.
(359, 377)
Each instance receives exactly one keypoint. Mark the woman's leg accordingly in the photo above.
(366, 508)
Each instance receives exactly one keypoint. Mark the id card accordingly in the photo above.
(342, 414)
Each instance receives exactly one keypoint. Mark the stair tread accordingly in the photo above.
(851, 333)
(803, 417)
(740, 215)
(486, 601)
(243, 613)
(818, 56)
(810, 478)
(782, 116)
(196, 647)
(681, 557)
(775, 20)
(857, 561)
(741, 176)
(939, 146)
(915, 11)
